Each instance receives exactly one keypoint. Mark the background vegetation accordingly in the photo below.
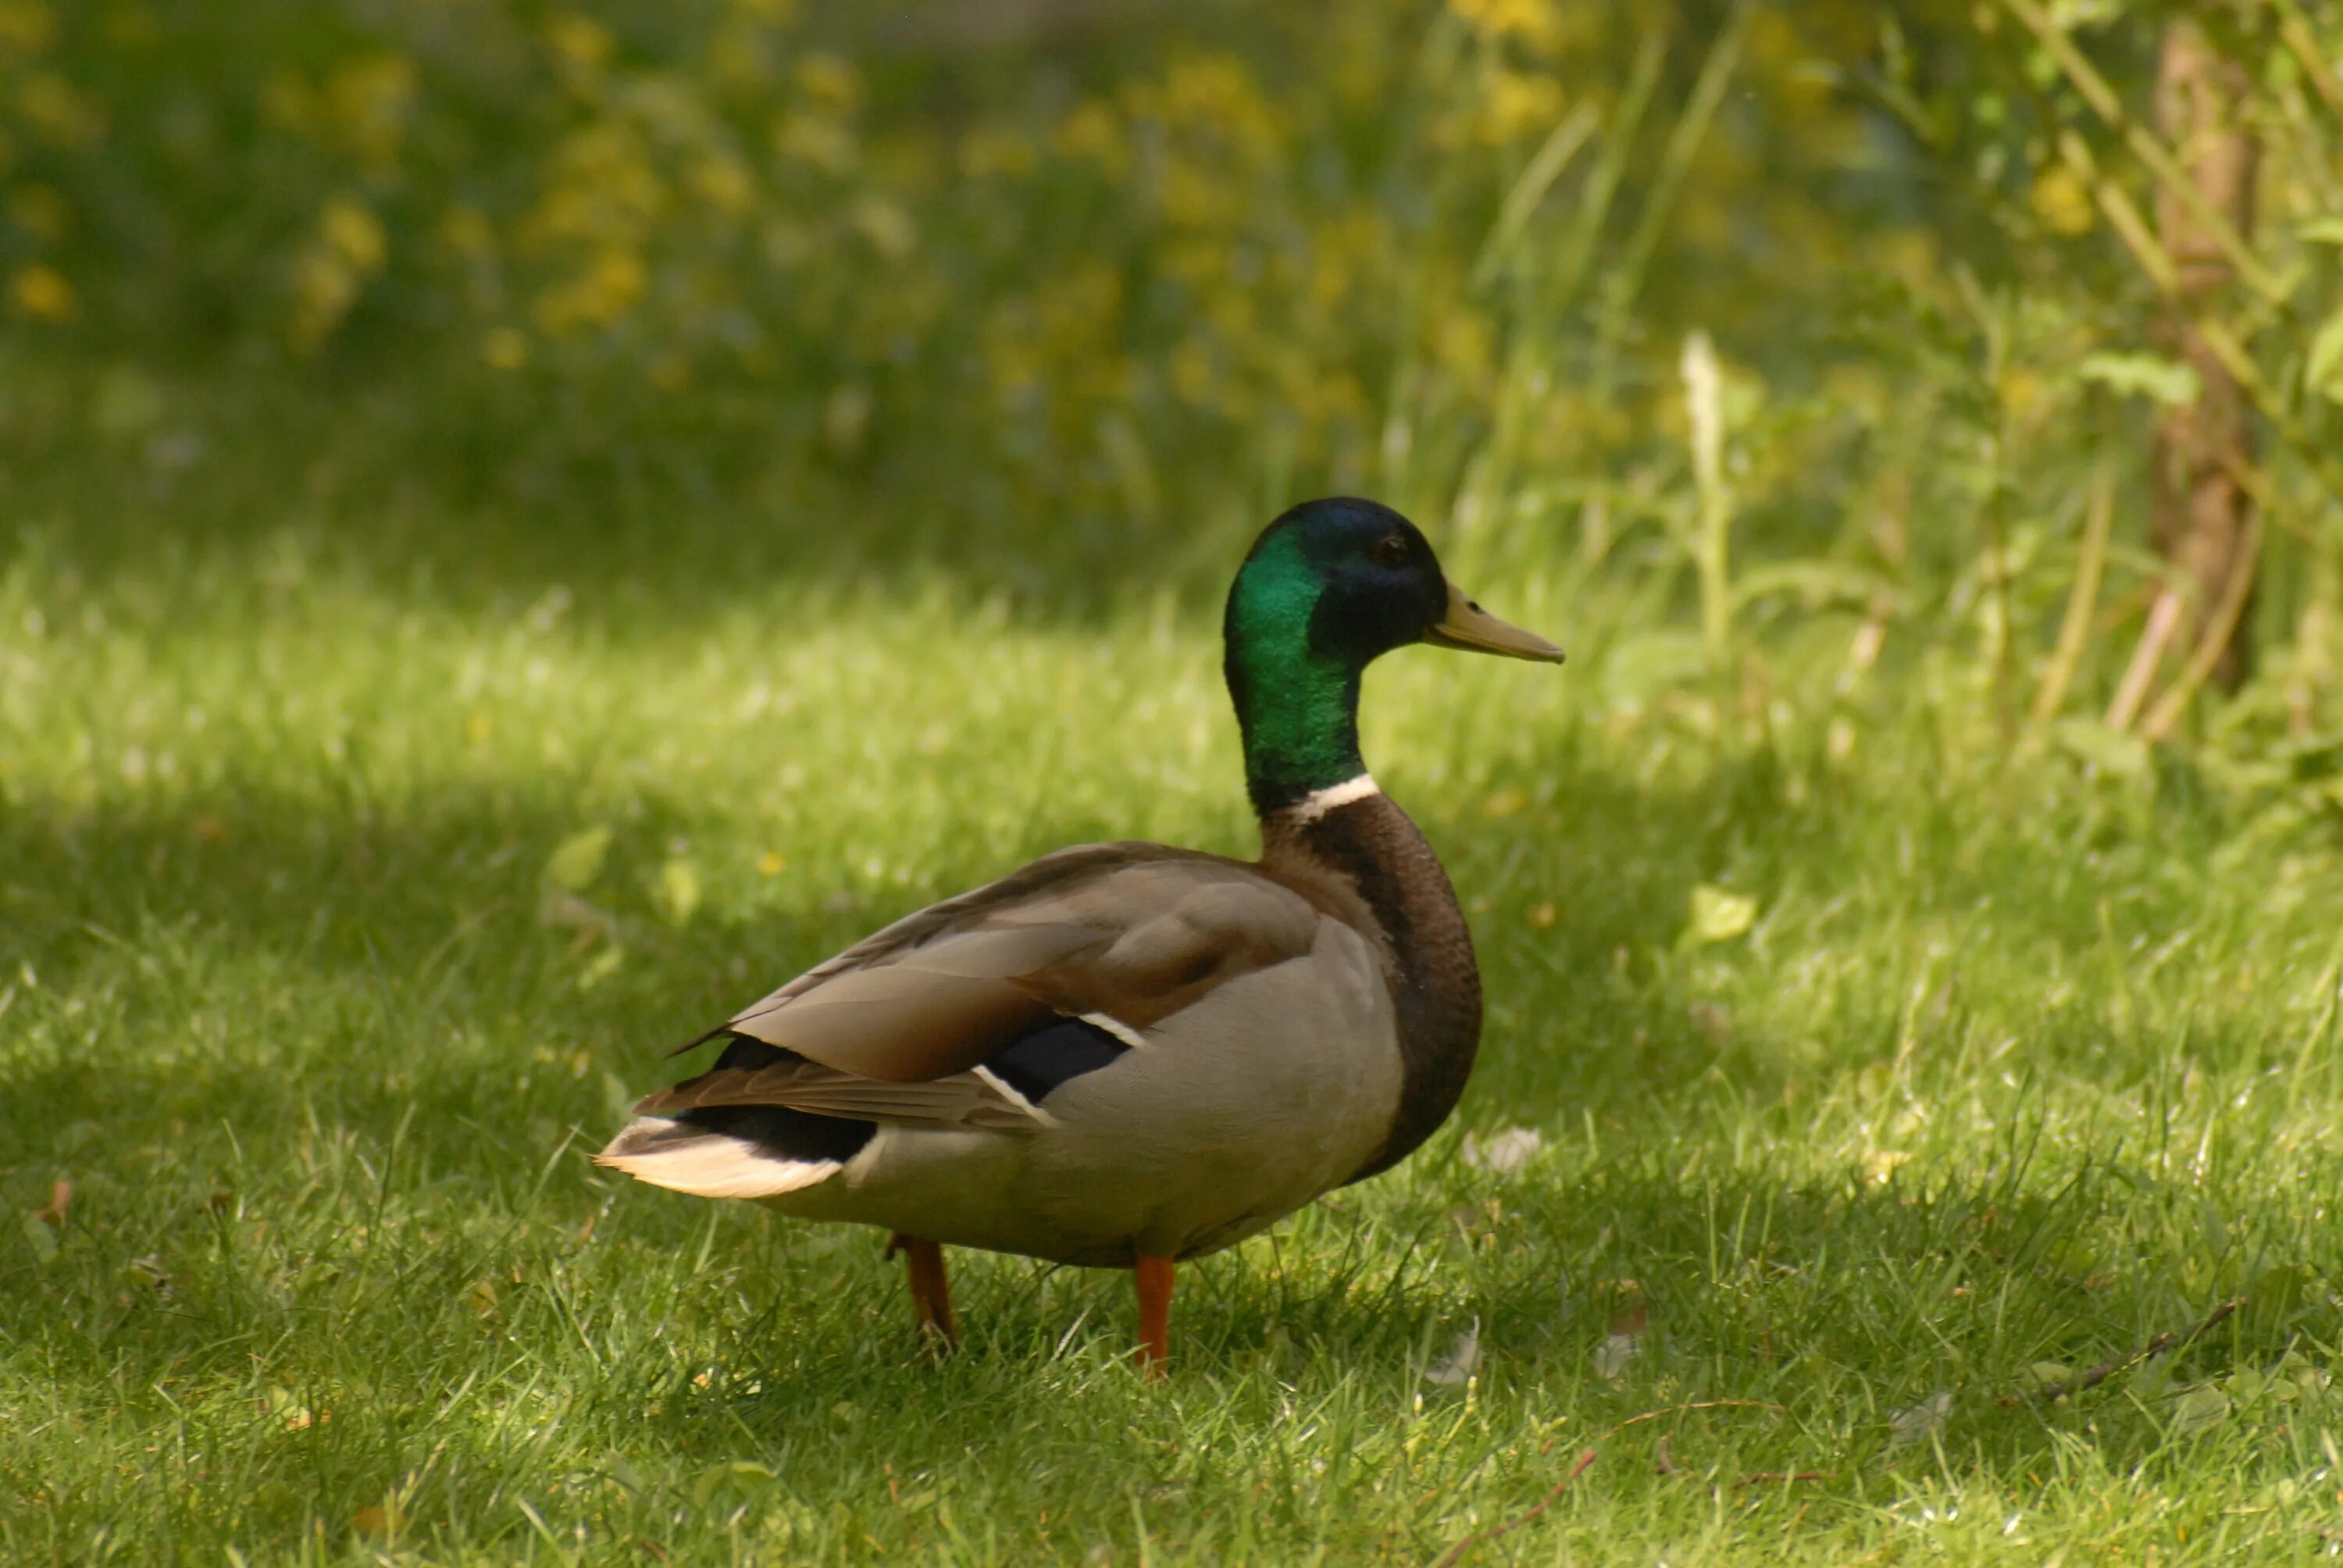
(520, 524)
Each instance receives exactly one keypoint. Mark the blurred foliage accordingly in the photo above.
(1110, 281)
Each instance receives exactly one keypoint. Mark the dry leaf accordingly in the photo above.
(2049, 1374)
(1463, 1358)
(2200, 1408)
(1510, 801)
(1718, 916)
(41, 1237)
(678, 889)
(567, 911)
(1505, 1153)
(1881, 1164)
(60, 1199)
(371, 1521)
(601, 967)
(1919, 1423)
(577, 860)
(1611, 1356)
(1620, 1345)
(297, 1416)
(1542, 916)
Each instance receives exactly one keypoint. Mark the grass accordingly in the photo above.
(2018, 1066)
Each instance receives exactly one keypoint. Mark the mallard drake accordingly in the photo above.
(1127, 1055)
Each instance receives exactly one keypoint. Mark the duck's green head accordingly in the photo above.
(1329, 587)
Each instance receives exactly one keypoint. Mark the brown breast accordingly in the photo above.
(1366, 862)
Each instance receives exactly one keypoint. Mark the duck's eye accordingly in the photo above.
(1391, 550)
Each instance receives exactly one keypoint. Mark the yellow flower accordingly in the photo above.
(1520, 106)
(739, 57)
(1533, 22)
(42, 292)
(1191, 372)
(829, 82)
(366, 103)
(1196, 196)
(804, 139)
(602, 189)
(354, 234)
(2019, 389)
(2060, 201)
(350, 247)
(287, 103)
(505, 349)
(40, 212)
(466, 231)
(579, 39)
(1213, 94)
(581, 47)
(611, 287)
(995, 152)
(26, 26)
(52, 106)
(324, 289)
(887, 226)
(723, 183)
(1091, 133)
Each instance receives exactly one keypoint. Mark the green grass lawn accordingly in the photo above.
(315, 988)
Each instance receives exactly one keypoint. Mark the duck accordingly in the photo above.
(1129, 1055)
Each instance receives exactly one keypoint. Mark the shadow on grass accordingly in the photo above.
(391, 930)
(1902, 1298)
(494, 502)
(375, 996)
(240, 954)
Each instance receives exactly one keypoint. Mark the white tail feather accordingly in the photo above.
(711, 1165)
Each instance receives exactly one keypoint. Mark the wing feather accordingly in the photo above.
(1131, 932)
(962, 1100)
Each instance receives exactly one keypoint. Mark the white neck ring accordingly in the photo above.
(1318, 802)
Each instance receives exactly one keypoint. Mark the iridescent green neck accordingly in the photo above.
(1297, 702)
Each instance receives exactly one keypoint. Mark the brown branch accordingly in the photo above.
(2163, 621)
(2304, 43)
(2215, 640)
(2197, 514)
(2163, 271)
(2122, 214)
(2144, 144)
(1455, 1555)
(2171, 1339)
(1681, 1409)
(1760, 1478)
(2075, 631)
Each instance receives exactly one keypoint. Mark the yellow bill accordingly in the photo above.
(1467, 626)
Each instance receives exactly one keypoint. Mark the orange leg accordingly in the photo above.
(1153, 1278)
(930, 1292)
